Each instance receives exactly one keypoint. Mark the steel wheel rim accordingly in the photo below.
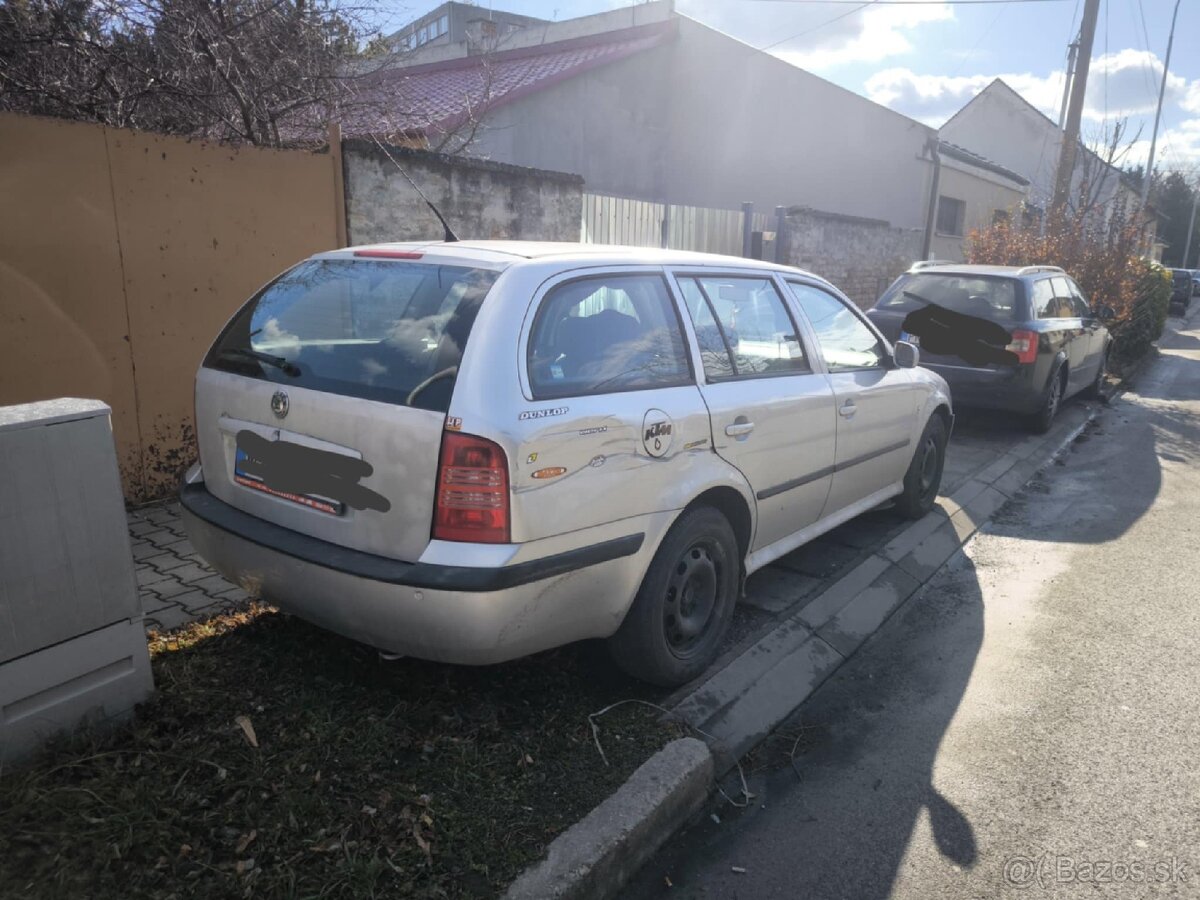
(691, 598)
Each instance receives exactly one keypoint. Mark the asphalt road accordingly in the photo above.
(1028, 724)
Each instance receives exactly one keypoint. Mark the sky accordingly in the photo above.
(927, 60)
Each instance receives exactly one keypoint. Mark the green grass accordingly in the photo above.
(370, 779)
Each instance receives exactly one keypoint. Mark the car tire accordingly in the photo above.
(682, 610)
(1052, 400)
(924, 475)
(1095, 390)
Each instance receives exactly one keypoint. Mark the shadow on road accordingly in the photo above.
(852, 781)
(837, 823)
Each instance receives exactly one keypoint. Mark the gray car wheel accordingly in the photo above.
(681, 612)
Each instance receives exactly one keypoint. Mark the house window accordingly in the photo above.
(950, 216)
(443, 25)
(422, 36)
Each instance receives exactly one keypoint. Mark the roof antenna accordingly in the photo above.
(448, 235)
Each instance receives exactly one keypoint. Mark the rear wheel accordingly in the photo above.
(924, 475)
(1044, 417)
(682, 610)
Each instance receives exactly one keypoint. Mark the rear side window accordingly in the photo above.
(605, 334)
(742, 327)
(1042, 294)
(994, 299)
(380, 330)
(1061, 304)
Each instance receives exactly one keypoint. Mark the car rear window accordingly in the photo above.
(987, 297)
(381, 330)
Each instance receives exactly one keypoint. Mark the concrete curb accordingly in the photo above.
(594, 857)
(748, 698)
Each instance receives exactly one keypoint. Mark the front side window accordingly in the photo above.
(391, 331)
(846, 342)
(608, 333)
(1082, 310)
(742, 327)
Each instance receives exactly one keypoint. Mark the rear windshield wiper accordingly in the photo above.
(279, 362)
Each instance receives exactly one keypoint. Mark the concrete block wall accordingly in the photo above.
(481, 200)
(860, 256)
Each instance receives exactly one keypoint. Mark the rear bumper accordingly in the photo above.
(1011, 390)
(456, 614)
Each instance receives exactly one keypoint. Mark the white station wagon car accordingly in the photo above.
(473, 451)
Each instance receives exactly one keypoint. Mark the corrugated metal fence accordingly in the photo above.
(641, 223)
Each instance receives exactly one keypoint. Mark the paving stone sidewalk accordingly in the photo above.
(175, 584)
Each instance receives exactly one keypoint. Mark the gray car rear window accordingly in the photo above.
(384, 330)
(988, 297)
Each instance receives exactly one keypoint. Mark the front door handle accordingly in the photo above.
(740, 429)
(847, 409)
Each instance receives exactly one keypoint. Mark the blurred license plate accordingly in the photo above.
(910, 338)
(254, 482)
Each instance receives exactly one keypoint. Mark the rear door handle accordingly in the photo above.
(847, 409)
(740, 429)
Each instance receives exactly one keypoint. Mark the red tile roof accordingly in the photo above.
(439, 97)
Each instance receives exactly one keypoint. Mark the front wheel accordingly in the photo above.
(1095, 390)
(924, 475)
(674, 628)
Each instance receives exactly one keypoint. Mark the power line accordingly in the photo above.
(851, 12)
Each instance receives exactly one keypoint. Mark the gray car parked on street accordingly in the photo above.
(473, 451)
(1020, 339)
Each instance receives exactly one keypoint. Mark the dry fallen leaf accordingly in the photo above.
(421, 842)
(248, 730)
(246, 840)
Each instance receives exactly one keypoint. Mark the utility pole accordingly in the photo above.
(1187, 245)
(1158, 112)
(1072, 49)
(1070, 144)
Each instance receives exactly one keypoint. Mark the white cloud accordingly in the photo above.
(934, 98)
(1191, 99)
(1178, 148)
(1120, 84)
(1127, 82)
(819, 40)
(881, 33)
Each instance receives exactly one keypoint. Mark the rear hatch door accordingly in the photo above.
(956, 319)
(322, 404)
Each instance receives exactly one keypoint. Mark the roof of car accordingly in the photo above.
(1009, 271)
(593, 254)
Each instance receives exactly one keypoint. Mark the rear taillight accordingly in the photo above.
(472, 491)
(1025, 345)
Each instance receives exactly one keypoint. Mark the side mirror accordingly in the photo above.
(1106, 313)
(906, 355)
